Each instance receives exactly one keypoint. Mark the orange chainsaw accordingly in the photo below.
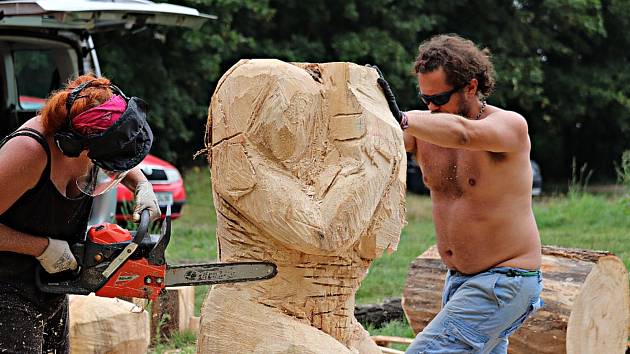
(115, 262)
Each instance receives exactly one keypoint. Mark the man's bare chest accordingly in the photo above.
(455, 171)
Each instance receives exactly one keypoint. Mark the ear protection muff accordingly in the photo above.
(68, 141)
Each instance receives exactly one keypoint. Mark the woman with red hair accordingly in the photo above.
(88, 137)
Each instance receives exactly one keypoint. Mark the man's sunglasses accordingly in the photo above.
(439, 99)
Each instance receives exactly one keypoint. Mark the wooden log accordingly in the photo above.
(107, 325)
(386, 350)
(308, 171)
(585, 293)
(384, 341)
(193, 324)
(172, 310)
(140, 302)
(377, 315)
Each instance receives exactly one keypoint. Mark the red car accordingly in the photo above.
(167, 185)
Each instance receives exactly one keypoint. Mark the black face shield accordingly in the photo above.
(126, 143)
(119, 148)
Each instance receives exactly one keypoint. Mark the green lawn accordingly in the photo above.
(578, 220)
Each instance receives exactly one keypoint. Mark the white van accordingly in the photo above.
(44, 43)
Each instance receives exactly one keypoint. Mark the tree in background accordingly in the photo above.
(562, 63)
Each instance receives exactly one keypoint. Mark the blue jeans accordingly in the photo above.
(480, 311)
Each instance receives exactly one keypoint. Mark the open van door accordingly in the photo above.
(97, 14)
(44, 43)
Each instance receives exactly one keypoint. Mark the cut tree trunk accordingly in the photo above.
(585, 293)
(106, 325)
(171, 311)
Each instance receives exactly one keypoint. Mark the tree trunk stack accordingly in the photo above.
(585, 293)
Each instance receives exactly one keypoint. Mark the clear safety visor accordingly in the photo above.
(99, 181)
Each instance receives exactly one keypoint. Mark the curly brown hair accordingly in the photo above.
(460, 59)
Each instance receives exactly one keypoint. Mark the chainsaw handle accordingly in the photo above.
(143, 227)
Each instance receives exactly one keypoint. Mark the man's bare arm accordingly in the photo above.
(410, 142)
(501, 131)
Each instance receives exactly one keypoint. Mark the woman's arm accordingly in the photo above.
(133, 178)
(19, 242)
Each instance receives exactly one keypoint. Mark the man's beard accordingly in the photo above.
(464, 108)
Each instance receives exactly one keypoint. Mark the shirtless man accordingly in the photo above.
(475, 160)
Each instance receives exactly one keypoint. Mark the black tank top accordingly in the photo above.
(41, 211)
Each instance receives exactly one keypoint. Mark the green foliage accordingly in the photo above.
(561, 64)
(623, 170)
(157, 336)
(579, 180)
(184, 341)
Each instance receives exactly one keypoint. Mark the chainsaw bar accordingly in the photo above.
(217, 273)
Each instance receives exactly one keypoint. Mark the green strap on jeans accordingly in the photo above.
(516, 273)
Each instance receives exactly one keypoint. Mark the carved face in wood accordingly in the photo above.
(310, 155)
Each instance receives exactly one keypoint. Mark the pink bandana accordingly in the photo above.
(97, 119)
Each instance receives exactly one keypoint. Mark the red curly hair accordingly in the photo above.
(54, 114)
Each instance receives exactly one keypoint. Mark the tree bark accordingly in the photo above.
(585, 293)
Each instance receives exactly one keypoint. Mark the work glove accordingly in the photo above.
(146, 199)
(57, 257)
(399, 115)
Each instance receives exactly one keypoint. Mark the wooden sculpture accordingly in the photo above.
(308, 171)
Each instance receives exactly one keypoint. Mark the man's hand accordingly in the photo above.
(389, 96)
(146, 199)
(57, 257)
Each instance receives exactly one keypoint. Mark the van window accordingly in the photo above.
(36, 75)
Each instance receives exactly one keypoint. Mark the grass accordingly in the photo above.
(577, 219)
(586, 221)
(184, 342)
(387, 274)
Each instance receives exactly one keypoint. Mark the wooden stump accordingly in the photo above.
(172, 310)
(585, 294)
(106, 325)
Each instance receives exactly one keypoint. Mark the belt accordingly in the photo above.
(518, 273)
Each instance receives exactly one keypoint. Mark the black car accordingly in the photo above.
(416, 185)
